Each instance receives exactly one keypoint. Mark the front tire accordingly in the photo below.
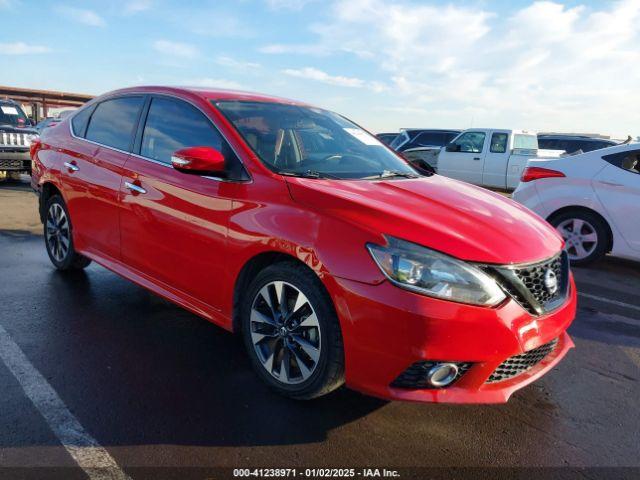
(291, 332)
(58, 238)
(585, 233)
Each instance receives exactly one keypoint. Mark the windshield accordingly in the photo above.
(13, 115)
(308, 141)
(399, 140)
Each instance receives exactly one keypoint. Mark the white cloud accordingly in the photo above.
(311, 73)
(544, 66)
(236, 64)
(176, 49)
(81, 15)
(214, 83)
(21, 48)
(136, 6)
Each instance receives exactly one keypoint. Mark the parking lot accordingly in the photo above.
(159, 388)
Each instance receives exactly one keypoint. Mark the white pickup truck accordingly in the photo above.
(490, 157)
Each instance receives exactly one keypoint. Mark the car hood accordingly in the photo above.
(453, 217)
(11, 129)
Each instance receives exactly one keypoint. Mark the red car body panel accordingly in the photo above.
(189, 237)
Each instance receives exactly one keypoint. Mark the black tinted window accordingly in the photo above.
(499, 142)
(173, 125)
(548, 144)
(597, 146)
(113, 122)
(426, 139)
(450, 136)
(80, 120)
(572, 146)
(628, 160)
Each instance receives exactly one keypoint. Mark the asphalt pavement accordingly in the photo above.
(95, 369)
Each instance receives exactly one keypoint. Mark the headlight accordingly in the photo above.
(434, 274)
(30, 137)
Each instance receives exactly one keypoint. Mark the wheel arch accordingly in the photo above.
(580, 208)
(48, 190)
(252, 267)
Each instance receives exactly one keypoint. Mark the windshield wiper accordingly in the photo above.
(310, 174)
(393, 173)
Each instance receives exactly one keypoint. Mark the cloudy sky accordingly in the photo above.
(563, 66)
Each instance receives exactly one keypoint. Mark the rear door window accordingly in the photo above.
(499, 142)
(80, 120)
(629, 161)
(114, 121)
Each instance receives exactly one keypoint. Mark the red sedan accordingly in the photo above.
(333, 258)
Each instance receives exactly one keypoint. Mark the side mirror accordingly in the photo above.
(452, 147)
(198, 161)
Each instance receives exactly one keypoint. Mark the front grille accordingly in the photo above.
(14, 164)
(416, 375)
(531, 285)
(8, 139)
(518, 364)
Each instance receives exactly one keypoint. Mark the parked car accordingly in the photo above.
(46, 123)
(573, 143)
(488, 157)
(592, 199)
(325, 250)
(386, 138)
(16, 135)
(421, 146)
(411, 138)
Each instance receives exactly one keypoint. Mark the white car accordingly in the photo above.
(593, 199)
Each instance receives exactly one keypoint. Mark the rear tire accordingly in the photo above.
(586, 235)
(58, 237)
(291, 332)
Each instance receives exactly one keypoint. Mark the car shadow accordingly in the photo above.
(18, 234)
(15, 185)
(144, 371)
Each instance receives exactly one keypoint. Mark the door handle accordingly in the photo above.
(476, 158)
(134, 188)
(611, 184)
(72, 167)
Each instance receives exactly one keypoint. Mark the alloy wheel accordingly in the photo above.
(285, 332)
(58, 232)
(580, 236)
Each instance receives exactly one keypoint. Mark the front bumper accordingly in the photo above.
(387, 329)
(15, 160)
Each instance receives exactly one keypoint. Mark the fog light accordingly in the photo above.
(442, 374)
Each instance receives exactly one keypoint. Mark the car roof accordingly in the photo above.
(578, 137)
(209, 93)
(453, 130)
(618, 148)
